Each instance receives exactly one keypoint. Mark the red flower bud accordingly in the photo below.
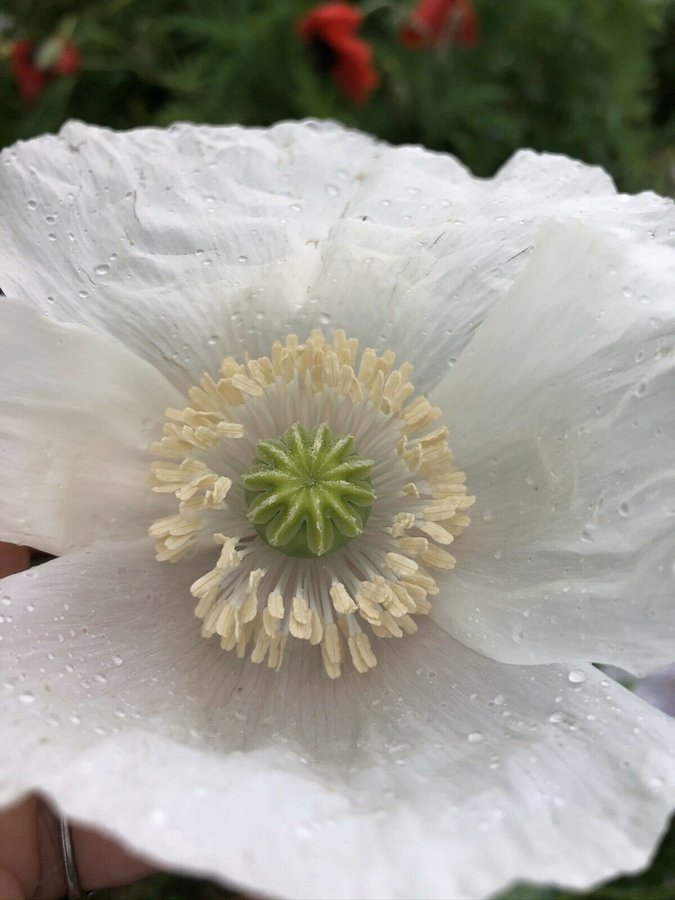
(31, 74)
(330, 31)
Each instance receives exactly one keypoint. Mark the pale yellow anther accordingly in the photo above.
(361, 652)
(342, 602)
(438, 558)
(231, 430)
(229, 393)
(422, 580)
(247, 385)
(376, 392)
(368, 608)
(368, 368)
(401, 565)
(316, 624)
(275, 605)
(436, 532)
(413, 545)
(229, 556)
(208, 584)
(402, 522)
(331, 650)
(440, 510)
(403, 597)
(271, 623)
(249, 608)
(300, 620)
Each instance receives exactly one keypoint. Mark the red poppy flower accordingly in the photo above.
(34, 66)
(330, 30)
(440, 23)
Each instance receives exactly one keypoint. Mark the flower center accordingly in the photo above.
(318, 542)
(308, 493)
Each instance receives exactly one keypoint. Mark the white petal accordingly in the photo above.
(440, 774)
(561, 411)
(658, 689)
(423, 250)
(77, 412)
(180, 242)
(196, 242)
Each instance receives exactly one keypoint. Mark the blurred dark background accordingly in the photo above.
(591, 78)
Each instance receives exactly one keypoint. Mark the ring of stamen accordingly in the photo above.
(255, 594)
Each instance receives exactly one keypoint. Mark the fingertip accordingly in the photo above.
(13, 558)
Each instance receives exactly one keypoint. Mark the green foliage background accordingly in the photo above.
(591, 78)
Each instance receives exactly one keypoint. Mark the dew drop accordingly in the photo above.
(296, 207)
(576, 676)
(83, 294)
(624, 510)
(51, 236)
(212, 340)
(332, 190)
(32, 204)
(242, 259)
(325, 318)
(103, 269)
(50, 220)
(117, 660)
(27, 697)
(475, 737)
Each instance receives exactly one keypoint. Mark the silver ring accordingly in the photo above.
(72, 881)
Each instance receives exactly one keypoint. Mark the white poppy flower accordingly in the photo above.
(537, 311)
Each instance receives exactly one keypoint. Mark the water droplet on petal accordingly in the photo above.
(475, 737)
(103, 269)
(27, 697)
(576, 676)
